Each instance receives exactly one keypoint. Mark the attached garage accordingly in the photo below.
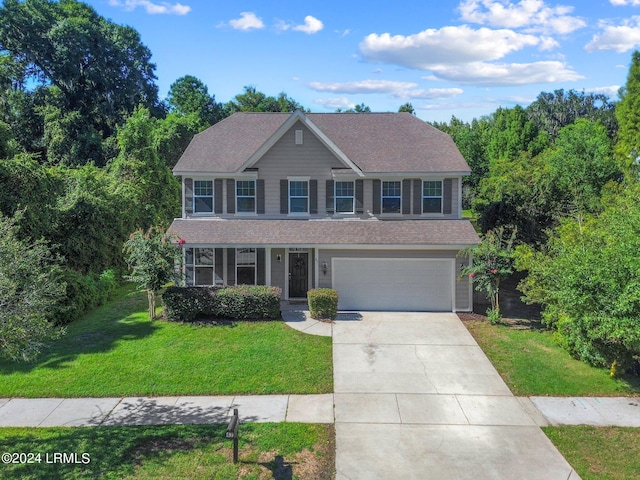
(394, 284)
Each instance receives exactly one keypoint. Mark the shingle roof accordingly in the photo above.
(418, 233)
(375, 142)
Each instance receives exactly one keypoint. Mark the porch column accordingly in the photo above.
(267, 266)
(316, 262)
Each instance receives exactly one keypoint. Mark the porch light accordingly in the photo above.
(278, 258)
(325, 267)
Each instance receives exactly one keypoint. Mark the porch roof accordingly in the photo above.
(327, 233)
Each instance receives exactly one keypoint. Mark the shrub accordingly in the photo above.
(323, 303)
(184, 304)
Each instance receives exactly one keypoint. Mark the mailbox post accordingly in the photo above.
(232, 433)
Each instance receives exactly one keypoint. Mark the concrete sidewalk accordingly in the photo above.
(91, 412)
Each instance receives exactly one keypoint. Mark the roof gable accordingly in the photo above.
(365, 143)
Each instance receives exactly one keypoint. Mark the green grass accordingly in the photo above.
(599, 453)
(116, 351)
(266, 450)
(533, 364)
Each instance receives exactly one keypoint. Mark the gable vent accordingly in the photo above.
(298, 137)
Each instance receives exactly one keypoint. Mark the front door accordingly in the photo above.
(298, 274)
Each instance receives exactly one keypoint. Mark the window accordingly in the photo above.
(432, 196)
(344, 197)
(203, 196)
(199, 266)
(246, 266)
(246, 196)
(298, 196)
(391, 197)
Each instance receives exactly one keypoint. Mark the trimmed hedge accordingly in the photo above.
(243, 302)
(323, 303)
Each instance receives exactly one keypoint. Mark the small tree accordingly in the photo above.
(153, 259)
(491, 262)
(30, 288)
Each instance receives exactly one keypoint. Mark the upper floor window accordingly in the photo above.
(298, 196)
(203, 196)
(344, 197)
(246, 196)
(432, 196)
(246, 266)
(199, 266)
(391, 197)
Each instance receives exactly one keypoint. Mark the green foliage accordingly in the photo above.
(323, 303)
(30, 288)
(587, 278)
(189, 96)
(153, 259)
(492, 262)
(96, 71)
(253, 101)
(83, 293)
(627, 147)
(242, 302)
(172, 135)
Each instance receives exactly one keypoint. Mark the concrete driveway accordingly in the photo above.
(415, 397)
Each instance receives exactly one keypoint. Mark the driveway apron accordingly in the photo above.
(416, 398)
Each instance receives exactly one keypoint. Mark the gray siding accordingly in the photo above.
(464, 299)
(286, 159)
(277, 269)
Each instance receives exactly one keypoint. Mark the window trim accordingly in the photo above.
(424, 197)
(255, 264)
(196, 197)
(195, 265)
(254, 196)
(383, 196)
(306, 180)
(336, 196)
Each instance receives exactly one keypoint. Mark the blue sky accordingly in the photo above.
(464, 58)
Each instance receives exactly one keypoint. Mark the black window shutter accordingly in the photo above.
(417, 196)
(188, 196)
(313, 196)
(231, 195)
(231, 266)
(284, 196)
(261, 266)
(217, 192)
(446, 196)
(406, 197)
(260, 196)
(377, 196)
(329, 197)
(359, 196)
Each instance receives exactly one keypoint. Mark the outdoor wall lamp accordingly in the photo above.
(324, 267)
(278, 258)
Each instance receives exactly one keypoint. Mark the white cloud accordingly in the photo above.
(311, 25)
(247, 21)
(402, 90)
(622, 3)
(610, 91)
(532, 15)
(152, 8)
(489, 74)
(334, 103)
(448, 45)
(620, 38)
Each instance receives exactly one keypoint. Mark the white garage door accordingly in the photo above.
(394, 284)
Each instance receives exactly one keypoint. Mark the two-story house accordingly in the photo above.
(367, 204)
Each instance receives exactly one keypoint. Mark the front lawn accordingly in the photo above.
(532, 364)
(599, 453)
(116, 351)
(266, 451)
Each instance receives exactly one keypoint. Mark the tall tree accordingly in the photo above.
(189, 96)
(627, 148)
(252, 100)
(93, 68)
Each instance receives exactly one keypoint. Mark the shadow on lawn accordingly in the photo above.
(123, 319)
(111, 452)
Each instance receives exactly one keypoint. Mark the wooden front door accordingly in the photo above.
(298, 274)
